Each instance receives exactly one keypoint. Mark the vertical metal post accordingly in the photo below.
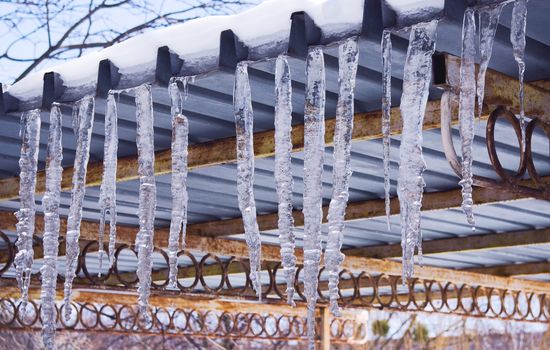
(325, 328)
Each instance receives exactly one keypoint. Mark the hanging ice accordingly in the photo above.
(178, 223)
(147, 193)
(488, 23)
(341, 173)
(517, 37)
(314, 149)
(416, 83)
(83, 120)
(386, 118)
(283, 172)
(50, 203)
(25, 216)
(107, 196)
(466, 110)
(245, 170)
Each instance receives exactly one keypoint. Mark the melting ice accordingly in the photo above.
(386, 118)
(107, 196)
(245, 171)
(83, 120)
(341, 173)
(283, 172)
(25, 216)
(178, 223)
(147, 194)
(467, 110)
(517, 37)
(314, 149)
(50, 203)
(416, 83)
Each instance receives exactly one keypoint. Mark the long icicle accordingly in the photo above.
(488, 23)
(341, 173)
(244, 124)
(50, 203)
(178, 223)
(26, 215)
(314, 149)
(386, 119)
(416, 83)
(517, 37)
(283, 171)
(107, 196)
(83, 120)
(466, 110)
(147, 194)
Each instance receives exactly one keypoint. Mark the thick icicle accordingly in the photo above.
(283, 172)
(107, 196)
(178, 224)
(50, 202)
(341, 173)
(314, 149)
(416, 83)
(386, 118)
(517, 37)
(83, 120)
(488, 23)
(466, 110)
(245, 171)
(147, 194)
(25, 216)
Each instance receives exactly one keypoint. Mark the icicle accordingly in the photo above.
(517, 37)
(107, 196)
(178, 223)
(84, 113)
(50, 202)
(245, 171)
(25, 216)
(147, 194)
(488, 23)
(341, 173)
(466, 110)
(283, 172)
(386, 118)
(314, 149)
(416, 83)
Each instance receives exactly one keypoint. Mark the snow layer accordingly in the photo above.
(261, 26)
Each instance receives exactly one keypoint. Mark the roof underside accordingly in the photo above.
(212, 191)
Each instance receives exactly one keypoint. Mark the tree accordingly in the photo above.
(36, 33)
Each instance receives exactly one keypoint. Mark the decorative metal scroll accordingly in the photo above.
(525, 180)
(212, 275)
(177, 321)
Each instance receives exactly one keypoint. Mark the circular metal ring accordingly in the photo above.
(501, 112)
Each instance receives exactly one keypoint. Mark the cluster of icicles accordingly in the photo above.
(416, 80)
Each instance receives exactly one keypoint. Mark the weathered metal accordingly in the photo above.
(175, 321)
(446, 291)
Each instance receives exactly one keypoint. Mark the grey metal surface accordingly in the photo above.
(212, 191)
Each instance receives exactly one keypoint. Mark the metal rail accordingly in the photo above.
(213, 276)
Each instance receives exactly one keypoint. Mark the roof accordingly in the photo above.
(152, 57)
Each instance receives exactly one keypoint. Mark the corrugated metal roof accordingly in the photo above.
(212, 191)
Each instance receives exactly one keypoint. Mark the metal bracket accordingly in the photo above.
(303, 33)
(232, 50)
(52, 89)
(169, 64)
(107, 77)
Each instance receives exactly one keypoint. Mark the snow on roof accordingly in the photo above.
(265, 29)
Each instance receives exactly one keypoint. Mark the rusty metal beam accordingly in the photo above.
(367, 127)
(459, 244)
(525, 269)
